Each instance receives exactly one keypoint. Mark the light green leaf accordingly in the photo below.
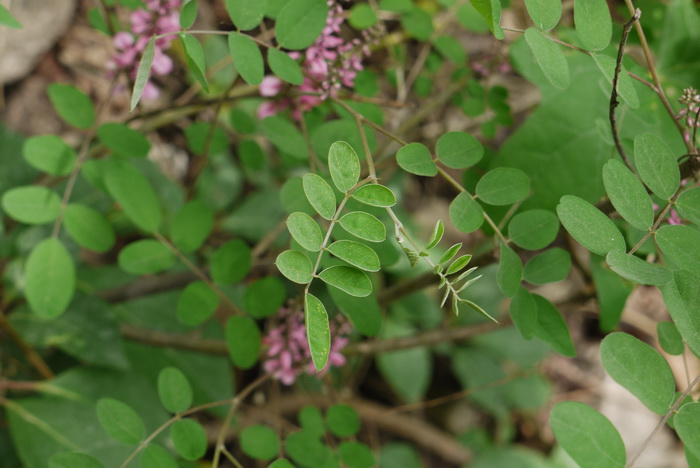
(260, 442)
(174, 390)
(356, 455)
(320, 195)
(49, 278)
(625, 85)
(682, 297)
(246, 14)
(589, 226)
(593, 23)
(466, 214)
(458, 264)
(436, 236)
(243, 341)
(362, 16)
(587, 436)
(364, 225)
(669, 338)
(544, 13)
(418, 23)
(306, 449)
(264, 297)
(6, 18)
(305, 231)
(681, 245)
(72, 105)
(688, 205)
(246, 58)
(188, 14)
(548, 267)
(231, 262)
(284, 67)
(628, 195)
(451, 49)
(523, 312)
(189, 439)
(49, 154)
(143, 72)
(503, 186)
(375, 195)
(686, 422)
(196, 304)
(552, 329)
(295, 266)
(317, 331)
(637, 270)
(343, 420)
(300, 22)
(74, 460)
(344, 165)
(31, 204)
(155, 456)
(549, 57)
(510, 271)
(135, 195)
(191, 226)
(640, 369)
(123, 140)
(120, 421)
(450, 253)
(145, 257)
(285, 136)
(356, 254)
(416, 159)
(490, 10)
(656, 165)
(194, 57)
(533, 229)
(88, 228)
(458, 150)
(348, 279)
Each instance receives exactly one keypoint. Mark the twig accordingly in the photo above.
(29, 352)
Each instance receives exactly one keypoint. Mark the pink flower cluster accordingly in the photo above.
(159, 17)
(288, 352)
(329, 63)
(691, 100)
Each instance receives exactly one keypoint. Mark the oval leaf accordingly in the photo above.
(284, 67)
(194, 57)
(72, 105)
(49, 154)
(196, 304)
(503, 186)
(364, 225)
(657, 166)
(145, 257)
(552, 329)
(681, 244)
(305, 231)
(510, 271)
(155, 456)
(243, 341)
(320, 195)
(247, 58)
(523, 312)
(231, 263)
(259, 442)
(681, 296)
(123, 140)
(348, 279)
(356, 254)
(143, 72)
(300, 22)
(544, 13)
(548, 267)
(174, 390)
(295, 266)
(246, 14)
(416, 159)
(625, 85)
(688, 205)
(593, 23)
(375, 195)
(466, 214)
(637, 270)
(669, 338)
(686, 422)
(549, 57)
(264, 297)
(533, 229)
(89, 228)
(120, 421)
(189, 439)
(589, 226)
(192, 226)
(49, 278)
(628, 195)
(317, 331)
(135, 195)
(31, 204)
(344, 165)
(459, 150)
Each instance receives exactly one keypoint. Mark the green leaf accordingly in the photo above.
(174, 390)
(74, 107)
(418, 23)
(656, 165)
(459, 150)
(49, 278)
(503, 186)
(246, 14)
(155, 456)
(281, 463)
(589, 226)
(143, 72)
(549, 57)
(196, 304)
(364, 312)
(145, 257)
(348, 279)
(247, 58)
(356, 254)
(628, 195)
(548, 267)
(264, 297)
(688, 205)
(344, 166)
(458, 264)
(194, 57)
(320, 195)
(523, 312)
(450, 253)
(593, 23)
(188, 14)
(364, 225)
(490, 10)
(74, 460)
(285, 136)
(6, 19)
(284, 67)
(343, 420)
(191, 226)
(120, 421)
(305, 231)
(408, 372)
(552, 329)
(243, 341)
(88, 228)
(640, 369)
(466, 214)
(189, 439)
(669, 338)
(686, 422)
(307, 450)
(362, 16)
(356, 455)
(260, 442)
(510, 271)
(31, 204)
(317, 331)
(436, 236)
(625, 85)
(533, 229)
(295, 266)
(49, 154)
(451, 49)
(681, 244)
(300, 22)
(587, 436)
(544, 13)
(416, 159)
(231, 262)
(375, 195)
(123, 140)
(637, 270)
(682, 297)
(135, 195)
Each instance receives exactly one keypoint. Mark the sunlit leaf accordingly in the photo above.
(375, 195)
(300, 22)
(284, 67)
(72, 105)
(320, 195)
(510, 271)
(145, 257)
(348, 279)
(143, 72)
(305, 231)
(246, 14)
(637, 270)
(544, 13)
(416, 159)
(593, 23)
(548, 267)
(295, 266)
(247, 57)
(174, 390)
(31, 204)
(533, 229)
(552, 329)
(628, 195)
(317, 331)
(344, 165)
(549, 57)
(458, 150)
(364, 225)
(189, 439)
(134, 193)
(49, 278)
(356, 254)
(589, 226)
(49, 154)
(466, 214)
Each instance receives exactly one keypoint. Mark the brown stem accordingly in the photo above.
(29, 352)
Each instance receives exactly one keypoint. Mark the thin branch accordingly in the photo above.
(29, 352)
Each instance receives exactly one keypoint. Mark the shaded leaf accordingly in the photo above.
(123, 140)
(231, 262)
(688, 205)
(549, 57)
(243, 340)
(523, 312)
(246, 14)
(548, 267)
(628, 195)
(284, 67)
(194, 57)
(189, 439)
(490, 10)
(49, 278)
(143, 72)
(260, 442)
(656, 165)
(625, 85)
(544, 13)
(669, 338)
(533, 229)
(174, 390)
(120, 421)
(192, 225)
(343, 420)
(458, 150)
(682, 297)
(135, 195)
(145, 257)
(686, 422)
(637, 270)
(593, 23)
(510, 271)
(680, 244)
(196, 304)
(74, 460)
(552, 329)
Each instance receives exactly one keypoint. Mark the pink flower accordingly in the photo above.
(270, 86)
